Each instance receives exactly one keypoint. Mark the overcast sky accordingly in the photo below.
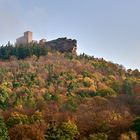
(103, 28)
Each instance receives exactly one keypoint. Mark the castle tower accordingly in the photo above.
(28, 36)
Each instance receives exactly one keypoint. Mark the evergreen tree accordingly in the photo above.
(22, 51)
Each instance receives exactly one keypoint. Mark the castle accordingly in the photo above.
(26, 39)
(60, 44)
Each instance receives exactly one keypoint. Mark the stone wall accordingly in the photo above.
(27, 38)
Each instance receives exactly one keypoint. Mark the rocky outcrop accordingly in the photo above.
(63, 45)
(60, 44)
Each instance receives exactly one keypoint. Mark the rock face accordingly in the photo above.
(63, 45)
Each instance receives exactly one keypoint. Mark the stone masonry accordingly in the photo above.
(26, 39)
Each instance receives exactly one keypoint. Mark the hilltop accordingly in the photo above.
(60, 44)
(67, 96)
(21, 51)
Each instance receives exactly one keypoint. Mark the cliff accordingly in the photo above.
(62, 45)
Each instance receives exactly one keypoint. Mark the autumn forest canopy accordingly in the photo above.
(48, 95)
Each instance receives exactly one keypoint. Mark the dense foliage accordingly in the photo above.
(22, 51)
(3, 130)
(66, 97)
(136, 126)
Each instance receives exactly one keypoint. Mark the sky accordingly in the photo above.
(108, 29)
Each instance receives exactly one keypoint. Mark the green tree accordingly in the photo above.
(3, 97)
(70, 105)
(69, 131)
(47, 96)
(37, 117)
(128, 87)
(3, 130)
(53, 133)
(71, 86)
(136, 126)
(66, 131)
(55, 97)
(17, 118)
(106, 92)
(22, 51)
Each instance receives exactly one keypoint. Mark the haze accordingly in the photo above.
(103, 28)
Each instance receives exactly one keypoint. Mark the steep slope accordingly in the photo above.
(99, 97)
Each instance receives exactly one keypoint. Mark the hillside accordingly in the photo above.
(65, 97)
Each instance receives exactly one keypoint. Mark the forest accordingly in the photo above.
(47, 95)
(22, 51)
